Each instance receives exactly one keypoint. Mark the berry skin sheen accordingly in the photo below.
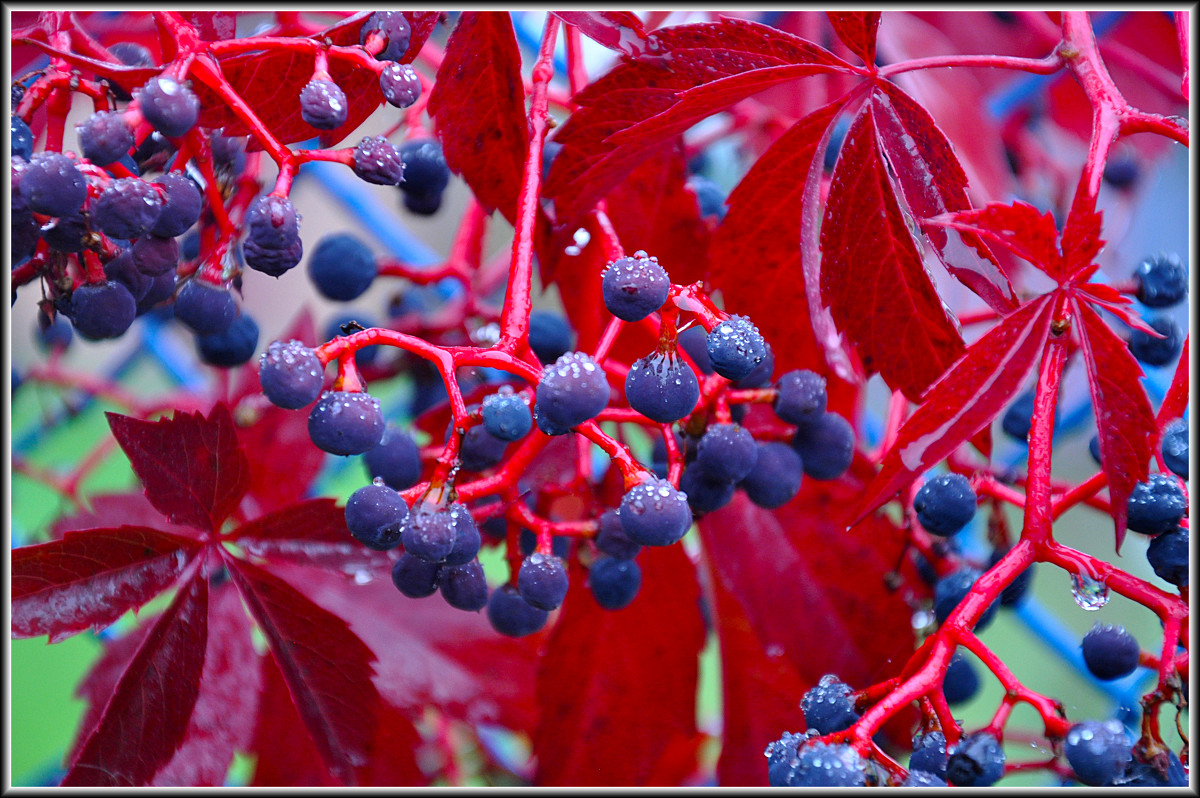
(1109, 652)
(735, 347)
(1156, 506)
(542, 580)
(570, 392)
(396, 460)
(614, 582)
(291, 375)
(378, 161)
(634, 287)
(945, 504)
(829, 706)
(653, 513)
(52, 185)
(1175, 447)
(181, 207)
(395, 30)
(662, 387)
(400, 85)
(1098, 751)
(103, 138)
(169, 106)
(506, 415)
(375, 515)
(1168, 556)
(511, 615)
(976, 761)
(342, 267)
(1162, 281)
(345, 423)
(323, 105)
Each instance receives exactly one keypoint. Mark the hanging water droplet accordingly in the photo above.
(922, 619)
(1090, 594)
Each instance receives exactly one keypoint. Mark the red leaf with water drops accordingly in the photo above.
(857, 30)
(873, 277)
(89, 579)
(311, 532)
(335, 696)
(1020, 228)
(932, 182)
(1081, 243)
(147, 717)
(118, 509)
(965, 400)
(645, 653)
(421, 25)
(192, 468)
(478, 102)
(1125, 420)
(617, 30)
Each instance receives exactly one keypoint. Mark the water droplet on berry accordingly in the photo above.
(377, 481)
(1090, 594)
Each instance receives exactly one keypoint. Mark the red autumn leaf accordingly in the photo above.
(1081, 242)
(622, 31)
(478, 102)
(857, 30)
(873, 277)
(126, 77)
(933, 182)
(285, 758)
(147, 717)
(576, 271)
(1116, 303)
(763, 235)
(430, 654)
(420, 24)
(698, 71)
(326, 666)
(230, 679)
(1020, 228)
(284, 463)
(213, 26)
(118, 509)
(311, 532)
(89, 579)
(1125, 420)
(964, 400)
(647, 654)
(192, 468)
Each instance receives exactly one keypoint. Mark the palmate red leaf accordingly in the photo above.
(192, 468)
(873, 277)
(118, 509)
(965, 400)
(1020, 228)
(857, 29)
(1081, 241)
(933, 182)
(795, 576)
(763, 236)
(698, 71)
(286, 757)
(326, 666)
(430, 654)
(127, 78)
(421, 25)
(1125, 420)
(147, 717)
(616, 689)
(478, 103)
(311, 532)
(223, 720)
(91, 578)
(622, 31)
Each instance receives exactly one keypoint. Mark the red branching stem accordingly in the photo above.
(1049, 709)
(608, 337)
(1079, 493)
(1077, 562)
(1038, 66)
(989, 486)
(576, 68)
(631, 470)
(1038, 519)
(1181, 32)
(945, 715)
(208, 73)
(514, 320)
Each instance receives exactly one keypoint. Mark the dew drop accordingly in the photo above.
(1090, 594)
(363, 578)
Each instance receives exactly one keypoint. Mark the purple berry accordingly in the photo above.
(1168, 556)
(101, 311)
(414, 577)
(662, 387)
(506, 415)
(396, 460)
(1110, 652)
(1156, 506)
(345, 422)
(1157, 351)
(611, 538)
(430, 531)
(801, 398)
(511, 615)
(776, 476)
(570, 392)
(614, 582)
(704, 493)
(342, 267)
(1098, 751)
(126, 208)
(291, 375)
(378, 161)
(204, 307)
(634, 287)
(653, 513)
(945, 504)
(400, 85)
(395, 30)
(727, 452)
(976, 761)
(825, 446)
(550, 336)
(154, 255)
(169, 106)
(51, 184)
(181, 208)
(735, 347)
(375, 515)
(1162, 281)
(829, 706)
(542, 580)
(104, 137)
(323, 105)
(464, 587)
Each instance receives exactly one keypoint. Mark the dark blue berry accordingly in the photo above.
(345, 423)
(292, 375)
(825, 446)
(22, 138)
(154, 255)
(169, 106)
(348, 324)
(1110, 652)
(51, 184)
(1121, 172)
(570, 392)
(511, 615)
(1018, 587)
(395, 30)
(976, 761)
(25, 230)
(550, 336)
(506, 415)
(425, 171)
(760, 376)
(945, 504)
(342, 267)
(378, 161)
(704, 493)
(823, 765)
(231, 348)
(1019, 417)
(1157, 351)
(1098, 751)
(323, 105)
(829, 706)
(129, 54)
(400, 85)
(542, 580)
(950, 591)
(69, 233)
(727, 452)
(1094, 449)
(101, 311)
(430, 531)
(1156, 506)
(1168, 556)
(480, 449)
(614, 582)
(653, 513)
(782, 758)
(228, 152)
(1144, 774)
(611, 538)
(414, 577)
(1175, 447)
(801, 398)
(735, 347)
(396, 459)
(634, 287)
(694, 341)
(662, 387)
(161, 288)
(56, 334)
(709, 196)
(103, 137)
(1162, 281)
(776, 476)
(205, 308)
(464, 587)
(375, 515)
(181, 208)
(929, 754)
(467, 539)
(961, 682)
